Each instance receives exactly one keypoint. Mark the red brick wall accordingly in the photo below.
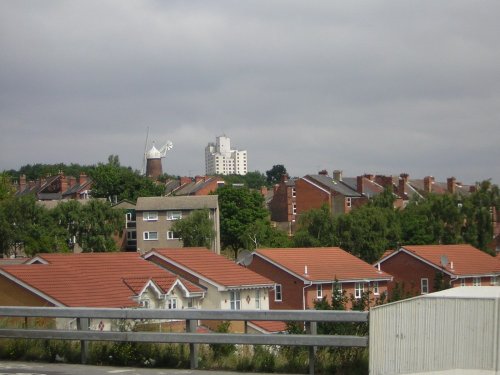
(309, 196)
(208, 188)
(409, 270)
(291, 287)
(279, 204)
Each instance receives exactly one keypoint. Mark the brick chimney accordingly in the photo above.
(83, 178)
(185, 180)
(403, 180)
(360, 180)
(384, 181)
(72, 181)
(22, 182)
(450, 183)
(64, 183)
(284, 177)
(368, 176)
(428, 181)
(337, 175)
(198, 178)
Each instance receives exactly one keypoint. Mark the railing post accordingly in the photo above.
(82, 324)
(312, 329)
(193, 348)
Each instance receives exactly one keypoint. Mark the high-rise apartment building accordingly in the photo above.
(220, 159)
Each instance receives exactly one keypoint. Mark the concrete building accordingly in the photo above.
(221, 159)
(154, 218)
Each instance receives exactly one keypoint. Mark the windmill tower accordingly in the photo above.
(153, 160)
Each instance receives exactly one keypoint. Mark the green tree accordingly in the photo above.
(239, 207)
(261, 234)
(197, 229)
(315, 228)
(275, 174)
(116, 183)
(6, 189)
(97, 224)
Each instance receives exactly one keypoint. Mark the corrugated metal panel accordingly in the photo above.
(434, 334)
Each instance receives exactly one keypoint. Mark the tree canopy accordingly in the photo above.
(275, 174)
(197, 229)
(239, 208)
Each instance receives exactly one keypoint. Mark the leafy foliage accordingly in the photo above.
(252, 180)
(262, 234)
(275, 174)
(239, 208)
(197, 229)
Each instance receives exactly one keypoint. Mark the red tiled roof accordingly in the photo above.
(90, 279)
(211, 266)
(323, 264)
(269, 325)
(466, 259)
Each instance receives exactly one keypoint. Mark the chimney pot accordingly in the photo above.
(337, 175)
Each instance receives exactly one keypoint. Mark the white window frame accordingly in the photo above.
(150, 216)
(171, 303)
(174, 215)
(462, 281)
(359, 288)
(147, 236)
(476, 281)
(294, 208)
(294, 192)
(145, 303)
(234, 300)
(493, 280)
(319, 291)
(375, 288)
(257, 300)
(339, 286)
(424, 285)
(278, 293)
(171, 235)
(348, 202)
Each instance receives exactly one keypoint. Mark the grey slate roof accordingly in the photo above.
(334, 185)
(196, 202)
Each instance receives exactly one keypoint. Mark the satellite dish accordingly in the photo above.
(244, 258)
(444, 260)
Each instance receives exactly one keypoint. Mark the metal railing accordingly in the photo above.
(83, 333)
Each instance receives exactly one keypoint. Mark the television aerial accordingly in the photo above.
(244, 258)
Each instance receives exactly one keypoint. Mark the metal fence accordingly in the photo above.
(83, 333)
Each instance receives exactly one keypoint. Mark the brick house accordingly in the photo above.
(415, 268)
(56, 187)
(303, 275)
(314, 191)
(283, 204)
(154, 218)
(199, 185)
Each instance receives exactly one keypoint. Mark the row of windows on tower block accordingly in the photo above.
(153, 236)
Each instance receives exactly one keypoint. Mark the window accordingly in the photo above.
(338, 285)
(172, 235)
(294, 192)
(476, 281)
(493, 280)
(358, 290)
(130, 216)
(174, 215)
(277, 292)
(235, 301)
(257, 299)
(172, 303)
(145, 303)
(319, 291)
(150, 236)
(294, 208)
(150, 216)
(348, 201)
(424, 286)
(462, 282)
(376, 291)
(131, 235)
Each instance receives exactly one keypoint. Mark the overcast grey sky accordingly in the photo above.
(362, 86)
